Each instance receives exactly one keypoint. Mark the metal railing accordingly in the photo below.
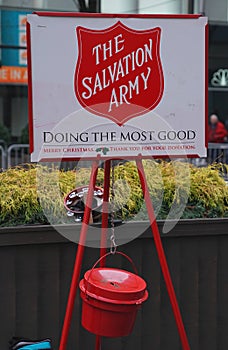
(3, 157)
(17, 154)
(217, 152)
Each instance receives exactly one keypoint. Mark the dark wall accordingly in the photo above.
(35, 274)
(217, 59)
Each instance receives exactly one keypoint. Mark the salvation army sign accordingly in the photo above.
(116, 85)
(124, 78)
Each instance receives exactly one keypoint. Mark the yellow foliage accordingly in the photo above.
(29, 192)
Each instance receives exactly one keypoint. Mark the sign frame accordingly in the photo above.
(158, 148)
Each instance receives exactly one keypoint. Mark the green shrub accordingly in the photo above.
(35, 194)
(4, 134)
(24, 138)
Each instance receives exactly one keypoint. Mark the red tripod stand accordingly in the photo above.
(81, 247)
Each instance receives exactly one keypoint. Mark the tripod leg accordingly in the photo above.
(161, 256)
(79, 258)
(105, 207)
(98, 342)
(104, 225)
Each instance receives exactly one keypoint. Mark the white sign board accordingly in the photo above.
(117, 85)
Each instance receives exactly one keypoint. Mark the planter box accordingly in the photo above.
(35, 274)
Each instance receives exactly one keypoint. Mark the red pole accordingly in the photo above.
(98, 342)
(79, 257)
(104, 226)
(105, 206)
(161, 256)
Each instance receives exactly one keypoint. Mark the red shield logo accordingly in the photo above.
(119, 72)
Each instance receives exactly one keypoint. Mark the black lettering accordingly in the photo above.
(48, 137)
(191, 134)
(181, 135)
(125, 137)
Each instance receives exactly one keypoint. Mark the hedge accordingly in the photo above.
(34, 194)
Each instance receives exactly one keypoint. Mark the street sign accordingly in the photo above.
(117, 85)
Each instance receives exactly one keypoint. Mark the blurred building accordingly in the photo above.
(13, 61)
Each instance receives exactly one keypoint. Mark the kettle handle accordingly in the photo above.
(110, 253)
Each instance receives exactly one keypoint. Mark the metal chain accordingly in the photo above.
(113, 245)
